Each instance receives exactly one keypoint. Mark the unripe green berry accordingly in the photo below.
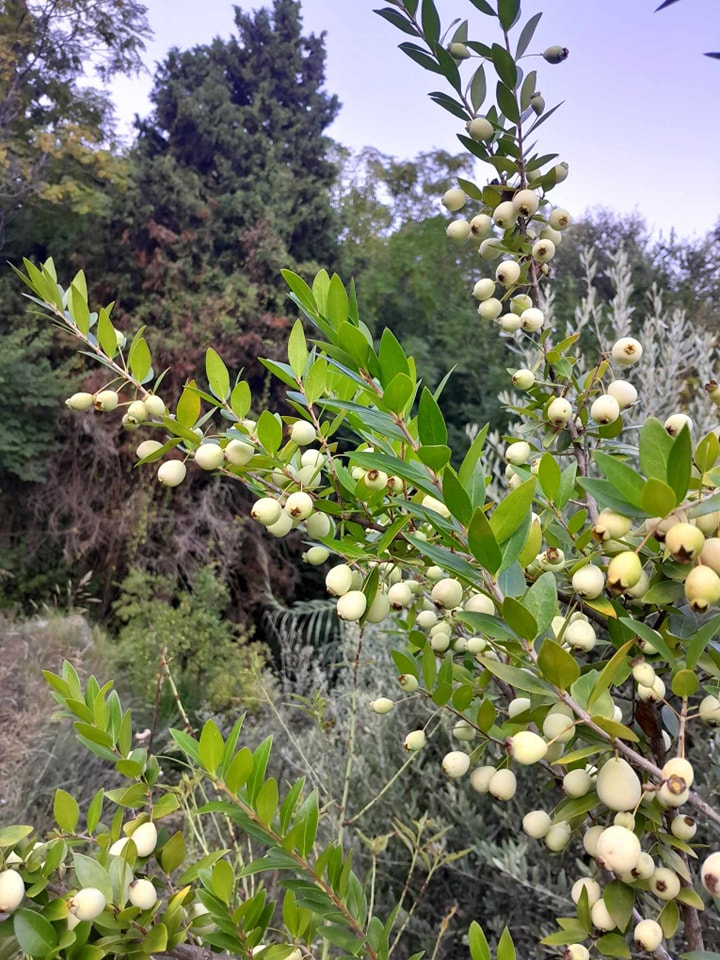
(537, 102)
(702, 588)
(316, 556)
(684, 542)
(480, 129)
(624, 571)
(171, 473)
(611, 526)
(648, 935)
(561, 171)
(79, 401)
(556, 54)
(459, 51)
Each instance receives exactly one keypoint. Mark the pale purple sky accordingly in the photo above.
(639, 127)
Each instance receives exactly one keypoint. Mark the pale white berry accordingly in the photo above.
(480, 129)
(454, 200)
(282, 526)
(710, 874)
(543, 251)
(676, 422)
(577, 783)
(590, 839)
(624, 392)
(559, 412)
(352, 605)
(665, 883)
(600, 916)
(171, 473)
(624, 571)
(481, 226)
(503, 784)
(648, 935)
(87, 904)
(588, 582)
(142, 893)
(414, 741)
(508, 273)
(617, 785)
(526, 202)
(155, 405)
(536, 823)
(605, 409)
(316, 556)
(266, 511)
(299, 505)
(479, 603)
(580, 634)
(709, 709)
(147, 447)
(484, 289)
(576, 951)
(12, 890)
(447, 593)
(509, 323)
(491, 249)
(518, 453)
(318, 525)
(505, 215)
(458, 230)
(456, 764)
(531, 320)
(527, 747)
(106, 400)
(683, 827)
(480, 778)
(302, 433)
(626, 351)
(209, 456)
(382, 705)
(679, 767)
(558, 836)
(378, 609)
(559, 219)
(238, 452)
(523, 379)
(490, 309)
(619, 849)
(586, 883)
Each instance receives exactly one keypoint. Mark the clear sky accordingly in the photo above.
(640, 126)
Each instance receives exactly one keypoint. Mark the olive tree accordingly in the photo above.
(565, 621)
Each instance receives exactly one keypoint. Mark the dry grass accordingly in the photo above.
(38, 754)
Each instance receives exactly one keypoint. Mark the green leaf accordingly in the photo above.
(505, 947)
(391, 358)
(655, 446)
(625, 479)
(35, 935)
(549, 476)
(420, 57)
(269, 431)
(341, 936)
(477, 941)
(482, 543)
(448, 103)
(707, 452)
(188, 408)
(557, 665)
(526, 35)
(210, 747)
(612, 945)
(505, 68)
(609, 672)
(66, 811)
(435, 457)
(679, 465)
(619, 899)
(267, 801)
(301, 291)
(685, 683)
(702, 636)
(139, 359)
(431, 423)
(512, 511)
(155, 940)
(455, 497)
(508, 12)
(700, 955)
(398, 393)
(519, 619)
(520, 679)
(478, 88)
(430, 21)
(217, 374)
(240, 768)
(79, 309)
(173, 853)
(106, 336)
(397, 20)
(507, 101)
(658, 498)
(89, 873)
(541, 600)
(652, 636)
(484, 7)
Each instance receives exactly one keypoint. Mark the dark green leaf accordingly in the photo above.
(430, 21)
(478, 88)
(510, 513)
(655, 446)
(679, 463)
(431, 423)
(456, 499)
(526, 35)
(557, 665)
(420, 56)
(482, 543)
(35, 935)
(397, 20)
(448, 103)
(504, 66)
(542, 601)
(625, 479)
(508, 12)
(519, 618)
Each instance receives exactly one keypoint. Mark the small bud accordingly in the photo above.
(556, 54)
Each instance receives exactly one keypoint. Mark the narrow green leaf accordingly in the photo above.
(66, 811)
(542, 600)
(512, 511)
(655, 445)
(508, 12)
(431, 423)
(217, 374)
(456, 499)
(269, 431)
(210, 747)
(679, 465)
(430, 21)
(188, 408)
(482, 543)
(526, 35)
(139, 359)
(609, 672)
